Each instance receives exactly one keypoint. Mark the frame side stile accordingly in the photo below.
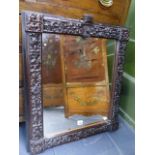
(121, 43)
(33, 44)
(37, 140)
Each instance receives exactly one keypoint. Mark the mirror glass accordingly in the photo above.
(76, 81)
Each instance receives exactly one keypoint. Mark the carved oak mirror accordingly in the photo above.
(69, 94)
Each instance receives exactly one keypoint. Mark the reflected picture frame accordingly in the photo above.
(33, 25)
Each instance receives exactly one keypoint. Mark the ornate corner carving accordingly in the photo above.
(34, 22)
(37, 146)
(114, 125)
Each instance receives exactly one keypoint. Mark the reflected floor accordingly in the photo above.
(120, 142)
(55, 121)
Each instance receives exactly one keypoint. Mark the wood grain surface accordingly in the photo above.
(116, 14)
(86, 84)
(83, 59)
(90, 100)
(53, 95)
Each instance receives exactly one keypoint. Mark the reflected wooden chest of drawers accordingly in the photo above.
(86, 85)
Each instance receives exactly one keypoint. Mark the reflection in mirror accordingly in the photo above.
(75, 82)
(111, 46)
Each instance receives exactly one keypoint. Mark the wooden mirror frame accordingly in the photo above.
(33, 25)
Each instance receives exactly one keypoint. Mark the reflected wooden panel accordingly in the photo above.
(53, 95)
(51, 61)
(51, 71)
(86, 84)
(88, 100)
(83, 59)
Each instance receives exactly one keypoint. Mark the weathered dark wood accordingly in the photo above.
(34, 24)
(117, 79)
(44, 24)
(32, 82)
(45, 143)
(114, 15)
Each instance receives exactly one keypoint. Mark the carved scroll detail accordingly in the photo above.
(34, 22)
(72, 136)
(76, 27)
(37, 146)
